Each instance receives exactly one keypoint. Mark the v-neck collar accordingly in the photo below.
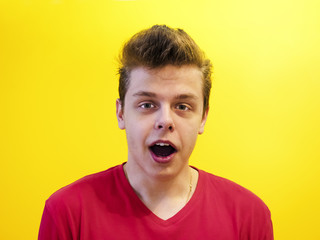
(138, 203)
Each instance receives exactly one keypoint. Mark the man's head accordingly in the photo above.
(164, 91)
(157, 47)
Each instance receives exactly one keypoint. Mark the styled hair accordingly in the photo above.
(157, 47)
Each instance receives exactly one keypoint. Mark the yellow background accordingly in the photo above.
(58, 87)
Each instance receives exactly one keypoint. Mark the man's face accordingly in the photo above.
(162, 117)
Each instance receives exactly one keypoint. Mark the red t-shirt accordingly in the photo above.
(104, 206)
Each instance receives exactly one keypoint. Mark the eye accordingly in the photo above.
(183, 107)
(147, 105)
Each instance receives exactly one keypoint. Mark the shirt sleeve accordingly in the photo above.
(48, 229)
(269, 227)
(259, 224)
(266, 223)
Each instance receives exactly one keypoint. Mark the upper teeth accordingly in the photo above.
(162, 144)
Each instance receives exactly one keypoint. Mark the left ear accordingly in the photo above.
(203, 122)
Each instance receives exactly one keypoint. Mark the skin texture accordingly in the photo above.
(163, 104)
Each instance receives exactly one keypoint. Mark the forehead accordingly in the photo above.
(169, 78)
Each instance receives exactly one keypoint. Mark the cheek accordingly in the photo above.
(190, 126)
(136, 133)
(189, 134)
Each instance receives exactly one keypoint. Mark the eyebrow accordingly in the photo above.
(144, 94)
(178, 97)
(186, 96)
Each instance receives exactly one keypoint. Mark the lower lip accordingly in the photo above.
(162, 159)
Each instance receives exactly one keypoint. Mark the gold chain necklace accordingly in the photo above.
(190, 187)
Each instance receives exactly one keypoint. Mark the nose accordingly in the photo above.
(164, 119)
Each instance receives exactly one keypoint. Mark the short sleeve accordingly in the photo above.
(48, 229)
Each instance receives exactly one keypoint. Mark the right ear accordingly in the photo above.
(120, 114)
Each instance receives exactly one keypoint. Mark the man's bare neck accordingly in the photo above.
(164, 197)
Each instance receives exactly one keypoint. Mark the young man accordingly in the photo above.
(164, 96)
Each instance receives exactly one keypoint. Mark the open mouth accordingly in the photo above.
(162, 149)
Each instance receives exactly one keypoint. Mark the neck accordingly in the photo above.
(164, 196)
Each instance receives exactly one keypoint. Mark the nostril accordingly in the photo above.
(163, 125)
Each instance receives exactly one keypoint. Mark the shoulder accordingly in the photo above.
(87, 187)
(66, 209)
(232, 194)
(248, 212)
